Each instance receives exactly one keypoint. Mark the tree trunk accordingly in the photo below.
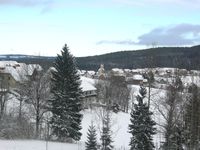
(149, 95)
(20, 109)
(37, 123)
(2, 101)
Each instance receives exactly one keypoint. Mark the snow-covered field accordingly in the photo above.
(119, 126)
(120, 122)
(120, 135)
(37, 145)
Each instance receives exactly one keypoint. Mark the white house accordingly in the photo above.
(12, 72)
(89, 91)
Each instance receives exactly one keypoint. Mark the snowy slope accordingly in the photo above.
(121, 137)
(119, 126)
(120, 122)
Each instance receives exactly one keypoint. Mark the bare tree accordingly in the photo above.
(21, 90)
(4, 91)
(113, 93)
(150, 79)
(151, 61)
(120, 92)
(38, 95)
(20, 93)
(172, 113)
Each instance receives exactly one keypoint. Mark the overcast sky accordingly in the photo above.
(91, 27)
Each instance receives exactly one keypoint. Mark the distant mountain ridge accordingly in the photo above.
(180, 57)
(19, 56)
(44, 61)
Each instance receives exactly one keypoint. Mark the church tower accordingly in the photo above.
(101, 72)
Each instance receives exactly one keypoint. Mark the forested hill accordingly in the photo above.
(181, 57)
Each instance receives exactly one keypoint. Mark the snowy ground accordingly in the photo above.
(37, 145)
(119, 126)
(120, 135)
(120, 122)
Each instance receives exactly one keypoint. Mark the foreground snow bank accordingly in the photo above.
(37, 145)
(120, 135)
(119, 127)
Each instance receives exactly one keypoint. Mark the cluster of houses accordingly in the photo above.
(162, 76)
(12, 73)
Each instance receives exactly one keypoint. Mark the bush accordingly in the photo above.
(13, 128)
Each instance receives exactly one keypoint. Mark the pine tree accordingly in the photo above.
(176, 139)
(174, 135)
(91, 143)
(106, 133)
(150, 79)
(142, 125)
(66, 102)
(191, 118)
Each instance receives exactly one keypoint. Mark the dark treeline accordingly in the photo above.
(44, 61)
(179, 57)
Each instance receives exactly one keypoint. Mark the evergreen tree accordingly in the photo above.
(91, 143)
(150, 79)
(191, 118)
(106, 133)
(174, 136)
(142, 125)
(176, 139)
(66, 102)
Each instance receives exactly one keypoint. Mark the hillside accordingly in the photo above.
(180, 57)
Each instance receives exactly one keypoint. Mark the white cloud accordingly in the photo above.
(24, 2)
(164, 3)
(181, 34)
(103, 3)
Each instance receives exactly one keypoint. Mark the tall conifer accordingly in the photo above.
(106, 133)
(65, 104)
(91, 143)
(142, 125)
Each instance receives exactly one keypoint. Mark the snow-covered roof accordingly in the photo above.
(79, 72)
(8, 63)
(18, 71)
(87, 84)
(138, 77)
(127, 70)
(51, 69)
(32, 67)
(118, 71)
(91, 72)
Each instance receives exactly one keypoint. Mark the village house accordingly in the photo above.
(12, 73)
(88, 89)
(136, 79)
(90, 74)
(89, 92)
